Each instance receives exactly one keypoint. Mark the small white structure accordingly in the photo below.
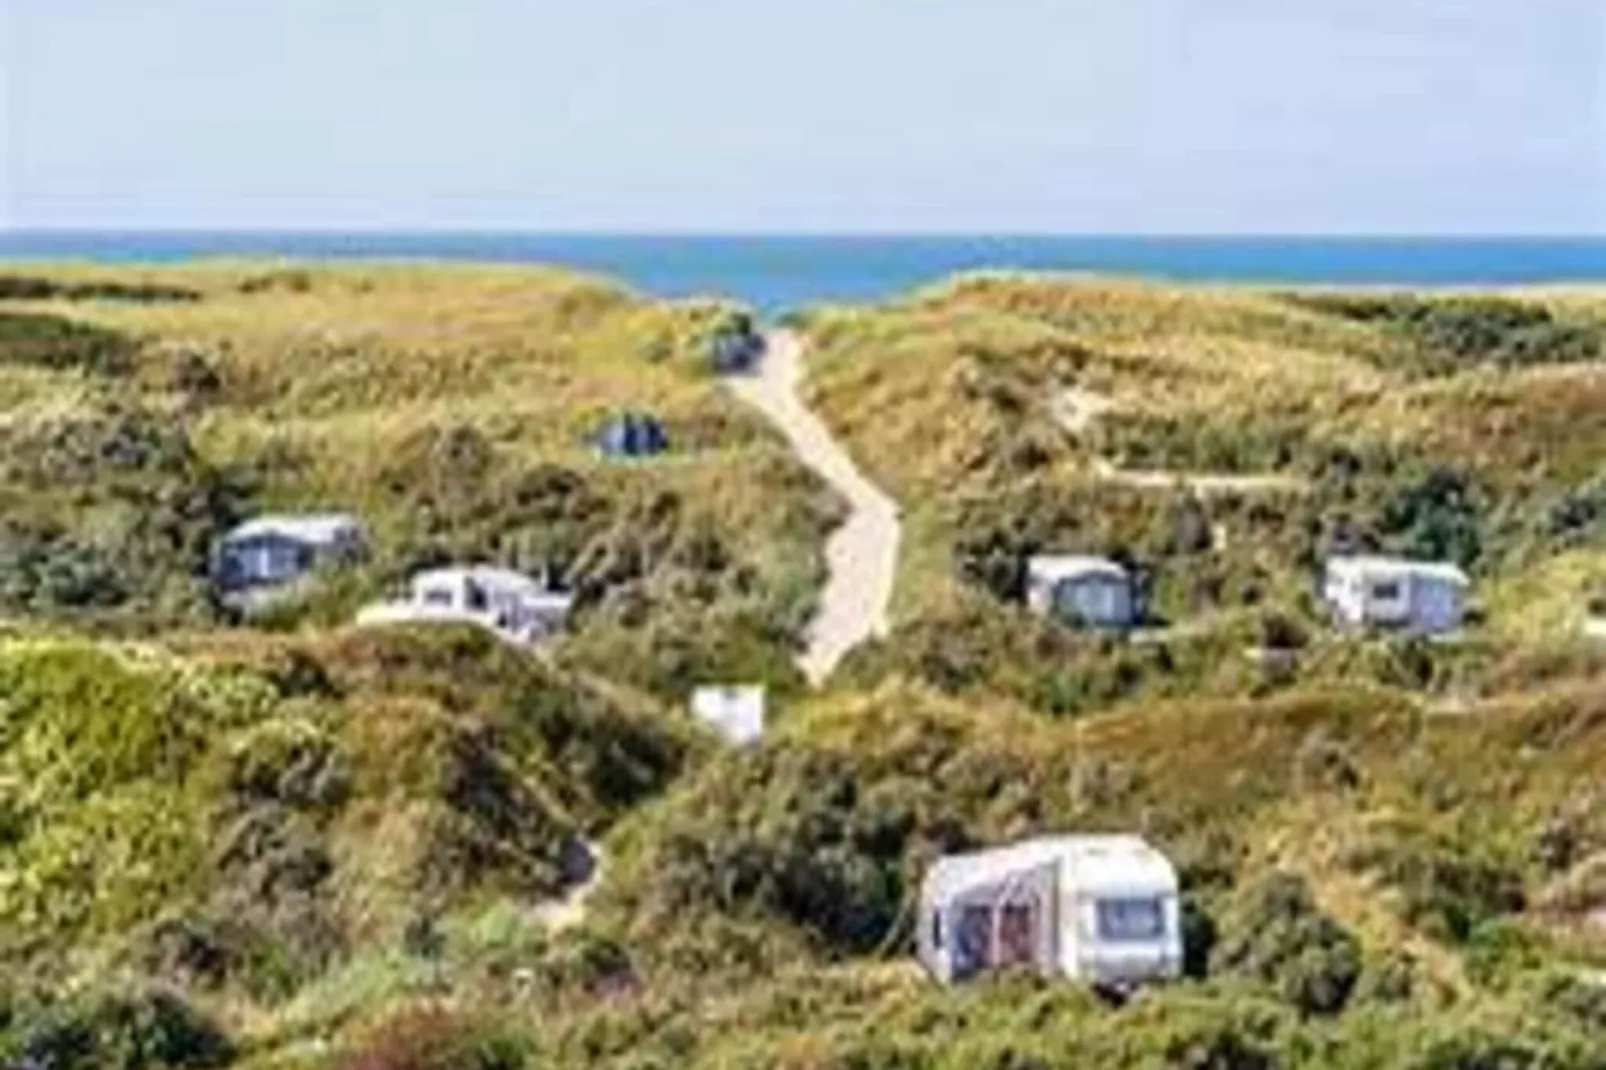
(1101, 909)
(1088, 591)
(1428, 598)
(273, 551)
(511, 604)
(735, 711)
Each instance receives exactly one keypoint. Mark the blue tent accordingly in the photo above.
(734, 350)
(632, 435)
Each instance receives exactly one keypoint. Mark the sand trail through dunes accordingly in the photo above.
(862, 554)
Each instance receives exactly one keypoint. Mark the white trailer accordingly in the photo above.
(1422, 597)
(514, 606)
(1090, 592)
(1102, 909)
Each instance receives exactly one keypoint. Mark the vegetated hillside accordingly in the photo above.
(452, 409)
(1222, 442)
(251, 810)
(334, 852)
(303, 845)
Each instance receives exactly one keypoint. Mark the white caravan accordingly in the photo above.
(511, 604)
(1102, 909)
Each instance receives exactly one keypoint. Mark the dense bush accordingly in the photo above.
(826, 856)
(112, 510)
(38, 288)
(1437, 518)
(982, 649)
(825, 843)
(286, 280)
(149, 1029)
(1277, 936)
(1451, 334)
(44, 341)
(1443, 887)
(429, 768)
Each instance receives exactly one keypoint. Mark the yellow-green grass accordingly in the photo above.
(338, 387)
(947, 397)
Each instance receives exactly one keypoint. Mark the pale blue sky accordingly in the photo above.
(1217, 116)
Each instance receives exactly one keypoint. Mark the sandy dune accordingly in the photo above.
(863, 553)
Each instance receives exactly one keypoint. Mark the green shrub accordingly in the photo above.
(1582, 1000)
(1456, 333)
(38, 288)
(52, 342)
(1437, 518)
(1276, 935)
(1443, 889)
(141, 1030)
(116, 513)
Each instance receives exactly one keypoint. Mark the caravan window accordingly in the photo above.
(1387, 591)
(936, 929)
(1131, 919)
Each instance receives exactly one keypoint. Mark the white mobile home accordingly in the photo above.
(511, 604)
(1098, 909)
(272, 551)
(736, 712)
(1086, 591)
(1424, 597)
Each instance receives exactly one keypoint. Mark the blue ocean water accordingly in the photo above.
(779, 273)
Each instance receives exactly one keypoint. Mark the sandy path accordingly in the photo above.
(1077, 410)
(862, 554)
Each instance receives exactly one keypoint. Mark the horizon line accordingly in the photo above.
(479, 231)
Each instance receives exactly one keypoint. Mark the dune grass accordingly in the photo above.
(453, 408)
(300, 845)
(1465, 427)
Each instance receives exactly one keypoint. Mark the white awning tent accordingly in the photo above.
(734, 711)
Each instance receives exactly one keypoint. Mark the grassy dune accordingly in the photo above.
(1468, 427)
(300, 846)
(452, 408)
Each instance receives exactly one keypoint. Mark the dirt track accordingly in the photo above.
(1078, 410)
(862, 554)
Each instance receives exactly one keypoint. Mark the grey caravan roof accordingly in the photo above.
(1379, 567)
(1057, 568)
(314, 529)
(1113, 863)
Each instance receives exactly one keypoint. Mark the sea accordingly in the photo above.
(778, 273)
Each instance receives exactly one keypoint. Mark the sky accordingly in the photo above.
(807, 116)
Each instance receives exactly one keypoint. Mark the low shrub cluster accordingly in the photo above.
(1445, 889)
(45, 341)
(1276, 936)
(1456, 333)
(234, 811)
(112, 513)
(142, 1029)
(38, 288)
